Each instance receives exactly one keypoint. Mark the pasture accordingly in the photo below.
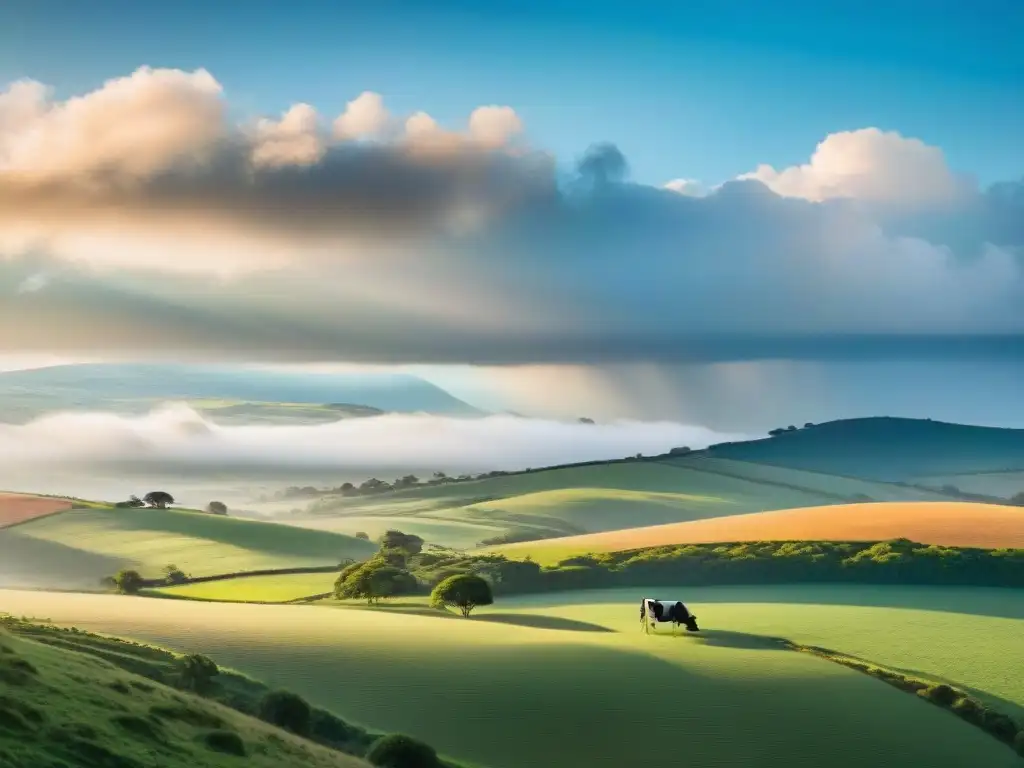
(18, 508)
(261, 589)
(504, 688)
(199, 544)
(1001, 484)
(954, 524)
(603, 497)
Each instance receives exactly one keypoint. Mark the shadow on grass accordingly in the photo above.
(515, 619)
(722, 638)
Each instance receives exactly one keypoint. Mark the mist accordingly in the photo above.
(82, 453)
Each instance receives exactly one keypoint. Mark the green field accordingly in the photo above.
(506, 688)
(593, 498)
(1002, 484)
(61, 708)
(259, 589)
(92, 541)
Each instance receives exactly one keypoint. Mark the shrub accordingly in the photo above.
(398, 751)
(286, 710)
(969, 709)
(217, 508)
(196, 672)
(174, 575)
(465, 591)
(1018, 742)
(942, 695)
(228, 742)
(999, 725)
(362, 535)
(128, 582)
(373, 581)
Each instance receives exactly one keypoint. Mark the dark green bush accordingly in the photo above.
(1018, 742)
(942, 695)
(286, 710)
(228, 742)
(969, 709)
(999, 725)
(398, 751)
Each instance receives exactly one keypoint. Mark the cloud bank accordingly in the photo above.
(138, 220)
(177, 439)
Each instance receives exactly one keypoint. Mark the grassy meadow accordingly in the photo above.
(198, 543)
(516, 678)
(260, 589)
(582, 499)
(952, 524)
(61, 708)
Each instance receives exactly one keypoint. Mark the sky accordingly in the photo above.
(720, 212)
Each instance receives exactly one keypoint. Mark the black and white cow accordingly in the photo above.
(654, 612)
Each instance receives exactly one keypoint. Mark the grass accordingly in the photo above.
(954, 524)
(267, 589)
(1002, 484)
(199, 544)
(71, 710)
(580, 499)
(506, 687)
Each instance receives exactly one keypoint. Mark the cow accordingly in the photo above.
(654, 612)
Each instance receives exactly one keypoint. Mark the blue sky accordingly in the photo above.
(703, 90)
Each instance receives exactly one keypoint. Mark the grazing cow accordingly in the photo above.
(654, 612)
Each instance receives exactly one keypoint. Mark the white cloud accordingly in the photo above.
(687, 187)
(34, 283)
(494, 126)
(364, 117)
(295, 139)
(867, 164)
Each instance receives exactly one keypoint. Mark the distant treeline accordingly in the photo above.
(899, 561)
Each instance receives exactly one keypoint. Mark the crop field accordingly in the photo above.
(503, 689)
(19, 507)
(263, 589)
(605, 497)
(960, 524)
(199, 544)
(453, 533)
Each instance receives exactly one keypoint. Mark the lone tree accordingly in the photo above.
(174, 574)
(128, 582)
(373, 581)
(216, 508)
(464, 590)
(398, 751)
(196, 672)
(362, 535)
(158, 499)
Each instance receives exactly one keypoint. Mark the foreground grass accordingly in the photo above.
(61, 709)
(505, 688)
(199, 544)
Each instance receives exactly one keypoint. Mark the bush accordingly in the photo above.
(999, 725)
(373, 581)
(969, 709)
(1018, 743)
(286, 710)
(363, 535)
(228, 742)
(942, 695)
(128, 582)
(398, 751)
(465, 591)
(197, 672)
(217, 508)
(174, 575)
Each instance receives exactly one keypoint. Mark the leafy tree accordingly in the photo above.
(286, 710)
(362, 535)
(217, 508)
(174, 575)
(128, 582)
(409, 543)
(347, 489)
(158, 499)
(465, 591)
(196, 672)
(373, 581)
(398, 751)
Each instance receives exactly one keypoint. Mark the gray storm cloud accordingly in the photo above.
(175, 438)
(385, 239)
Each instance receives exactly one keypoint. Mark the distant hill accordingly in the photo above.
(887, 449)
(28, 393)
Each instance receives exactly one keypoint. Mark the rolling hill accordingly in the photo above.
(887, 449)
(954, 524)
(78, 547)
(591, 498)
(25, 394)
(506, 687)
